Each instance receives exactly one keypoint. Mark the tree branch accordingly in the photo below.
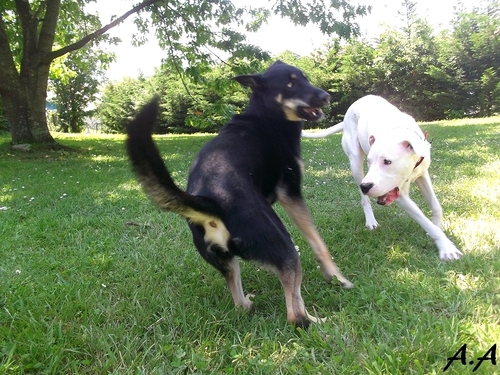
(82, 42)
(23, 11)
(49, 25)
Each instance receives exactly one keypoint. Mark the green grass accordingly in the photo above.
(95, 280)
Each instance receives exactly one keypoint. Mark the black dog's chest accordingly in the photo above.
(244, 160)
(270, 159)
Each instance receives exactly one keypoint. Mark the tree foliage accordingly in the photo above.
(430, 75)
(427, 74)
(476, 46)
(32, 36)
(75, 82)
(188, 104)
(33, 33)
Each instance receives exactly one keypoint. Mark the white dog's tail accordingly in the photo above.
(325, 132)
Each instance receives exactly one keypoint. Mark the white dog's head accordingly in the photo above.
(394, 161)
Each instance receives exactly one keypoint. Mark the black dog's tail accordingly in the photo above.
(154, 176)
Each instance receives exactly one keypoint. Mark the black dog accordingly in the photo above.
(237, 176)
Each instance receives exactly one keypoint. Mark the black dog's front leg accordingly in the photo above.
(296, 208)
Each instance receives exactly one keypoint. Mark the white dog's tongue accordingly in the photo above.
(388, 198)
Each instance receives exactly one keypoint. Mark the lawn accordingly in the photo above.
(94, 279)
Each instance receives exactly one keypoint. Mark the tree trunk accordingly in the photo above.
(25, 110)
(38, 102)
(23, 89)
(24, 92)
(15, 108)
(15, 103)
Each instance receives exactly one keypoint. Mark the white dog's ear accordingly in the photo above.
(420, 147)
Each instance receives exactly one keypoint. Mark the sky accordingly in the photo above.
(277, 36)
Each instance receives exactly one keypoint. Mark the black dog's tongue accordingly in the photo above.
(311, 114)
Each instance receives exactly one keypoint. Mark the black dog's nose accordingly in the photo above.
(365, 188)
(319, 99)
(324, 98)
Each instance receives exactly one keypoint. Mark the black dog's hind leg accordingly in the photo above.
(225, 262)
(233, 279)
(291, 279)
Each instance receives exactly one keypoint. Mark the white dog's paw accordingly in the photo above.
(449, 251)
(371, 224)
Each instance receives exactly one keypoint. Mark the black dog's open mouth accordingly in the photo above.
(310, 114)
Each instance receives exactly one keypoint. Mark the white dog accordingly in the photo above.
(397, 153)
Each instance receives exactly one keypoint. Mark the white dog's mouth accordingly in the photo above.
(388, 198)
(310, 114)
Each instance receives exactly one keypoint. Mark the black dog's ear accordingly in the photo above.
(277, 62)
(254, 81)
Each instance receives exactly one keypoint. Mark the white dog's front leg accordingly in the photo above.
(356, 162)
(371, 222)
(447, 250)
(425, 185)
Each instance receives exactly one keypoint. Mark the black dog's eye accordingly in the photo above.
(293, 80)
(387, 162)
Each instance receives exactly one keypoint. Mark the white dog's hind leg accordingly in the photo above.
(447, 250)
(425, 185)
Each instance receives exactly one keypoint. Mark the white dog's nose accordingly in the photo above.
(365, 187)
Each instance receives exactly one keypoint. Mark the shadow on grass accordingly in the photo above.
(464, 146)
(87, 147)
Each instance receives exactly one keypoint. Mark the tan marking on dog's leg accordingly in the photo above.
(300, 215)
(291, 279)
(233, 280)
(302, 167)
(295, 310)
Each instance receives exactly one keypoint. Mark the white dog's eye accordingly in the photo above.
(387, 162)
